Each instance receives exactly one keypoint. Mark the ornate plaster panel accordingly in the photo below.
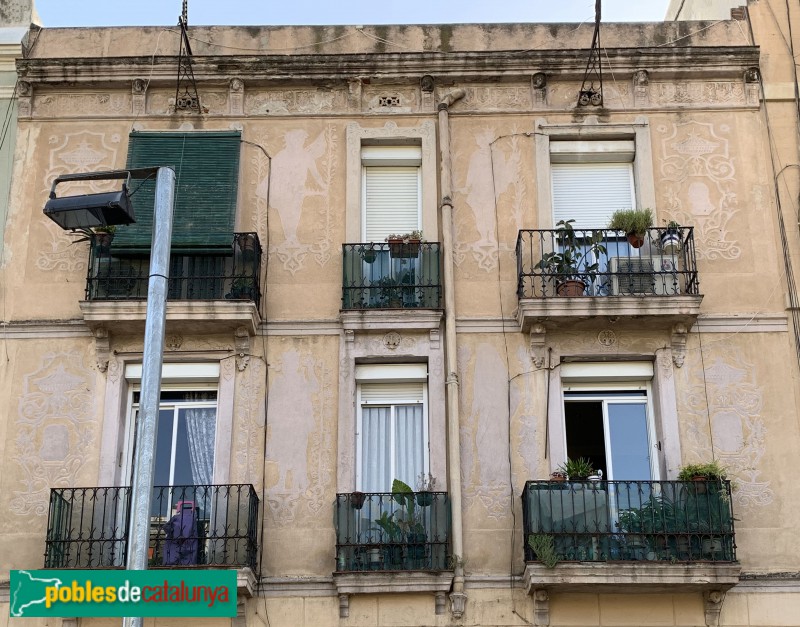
(494, 174)
(497, 97)
(687, 93)
(55, 431)
(294, 101)
(81, 105)
(82, 151)
(390, 100)
(699, 184)
(300, 455)
(724, 407)
(283, 186)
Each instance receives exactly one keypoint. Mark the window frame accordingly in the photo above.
(392, 404)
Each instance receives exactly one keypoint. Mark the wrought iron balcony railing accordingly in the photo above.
(391, 276)
(122, 274)
(190, 526)
(389, 532)
(610, 521)
(602, 263)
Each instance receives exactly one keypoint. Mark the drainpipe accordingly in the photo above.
(458, 599)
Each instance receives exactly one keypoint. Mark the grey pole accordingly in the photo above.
(144, 464)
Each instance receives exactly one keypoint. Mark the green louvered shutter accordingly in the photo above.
(206, 182)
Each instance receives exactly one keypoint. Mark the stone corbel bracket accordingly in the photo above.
(541, 607)
(138, 96)
(243, 344)
(680, 333)
(24, 99)
(236, 96)
(539, 88)
(713, 601)
(102, 348)
(458, 604)
(752, 86)
(538, 337)
(641, 88)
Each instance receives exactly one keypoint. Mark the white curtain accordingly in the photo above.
(201, 424)
(391, 449)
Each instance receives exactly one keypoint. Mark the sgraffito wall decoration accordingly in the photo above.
(83, 151)
(300, 455)
(298, 190)
(55, 431)
(725, 404)
(699, 184)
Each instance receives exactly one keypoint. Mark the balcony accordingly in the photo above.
(197, 526)
(391, 286)
(208, 290)
(610, 536)
(596, 277)
(393, 542)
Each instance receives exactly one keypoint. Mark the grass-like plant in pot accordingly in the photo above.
(577, 469)
(633, 222)
(576, 260)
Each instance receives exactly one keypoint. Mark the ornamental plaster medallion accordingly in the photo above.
(174, 342)
(55, 430)
(734, 401)
(699, 176)
(607, 338)
(297, 185)
(84, 151)
(392, 340)
(494, 169)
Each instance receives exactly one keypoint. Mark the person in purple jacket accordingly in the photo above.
(180, 547)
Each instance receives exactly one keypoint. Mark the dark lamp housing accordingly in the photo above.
(91, 210)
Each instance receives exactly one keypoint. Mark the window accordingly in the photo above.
(391, 190)
(621, 415)
(206, 168)
(392, 425)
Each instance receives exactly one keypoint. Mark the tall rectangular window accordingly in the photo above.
(391, 190)
(392, 437)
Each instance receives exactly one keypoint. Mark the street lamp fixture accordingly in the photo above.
(88, 211)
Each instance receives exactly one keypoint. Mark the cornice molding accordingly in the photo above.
(663, 62)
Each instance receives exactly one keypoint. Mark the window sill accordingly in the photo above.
(394, 319)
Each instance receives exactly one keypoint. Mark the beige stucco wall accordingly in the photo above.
(735, 393)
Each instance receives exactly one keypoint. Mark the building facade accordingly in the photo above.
(313, 360)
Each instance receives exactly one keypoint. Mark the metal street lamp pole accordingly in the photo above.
(155, 322)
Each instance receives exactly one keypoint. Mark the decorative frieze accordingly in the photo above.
(294, 101)
(81, 105)
(497, 97)
(391, 100)
(688, 93)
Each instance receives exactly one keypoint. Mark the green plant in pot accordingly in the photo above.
(576, 260)
(405, 245)
(426, 484)
(577, 469)
(242, 287)
(633, 222)
(410, 519)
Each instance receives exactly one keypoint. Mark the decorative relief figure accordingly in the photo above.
(484, 433)
(236, 96)
(641, 82)
(24, 97)
(83, 151)
(55, 430)
(299, 458)
(290, 190)
(738, 432)
(491, 173)
(699, 177)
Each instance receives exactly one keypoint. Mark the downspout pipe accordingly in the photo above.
(458, 599)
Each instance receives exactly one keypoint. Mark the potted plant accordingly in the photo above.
(357, 499)
(558, 475)
(389, 292)
(426, 484)
(368, 253)
(577, 469)
(576, 261)
(392, 538)
(633, 222)
(671, 238)
(406, 245)
(246, 243)
(242, 287)
(103, 236)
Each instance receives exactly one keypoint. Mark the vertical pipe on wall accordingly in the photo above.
(458, 598)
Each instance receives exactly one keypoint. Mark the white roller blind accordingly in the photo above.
(391, 201)
(391, 393)
(590, 192)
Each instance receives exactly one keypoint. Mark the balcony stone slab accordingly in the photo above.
(632, 577)
(437, 583)
(187, 316)
(567, 313)
(246, 582)
(391, 319)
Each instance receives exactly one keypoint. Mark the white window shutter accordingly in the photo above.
(590, 192)
(392, 393)
(391, 201)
